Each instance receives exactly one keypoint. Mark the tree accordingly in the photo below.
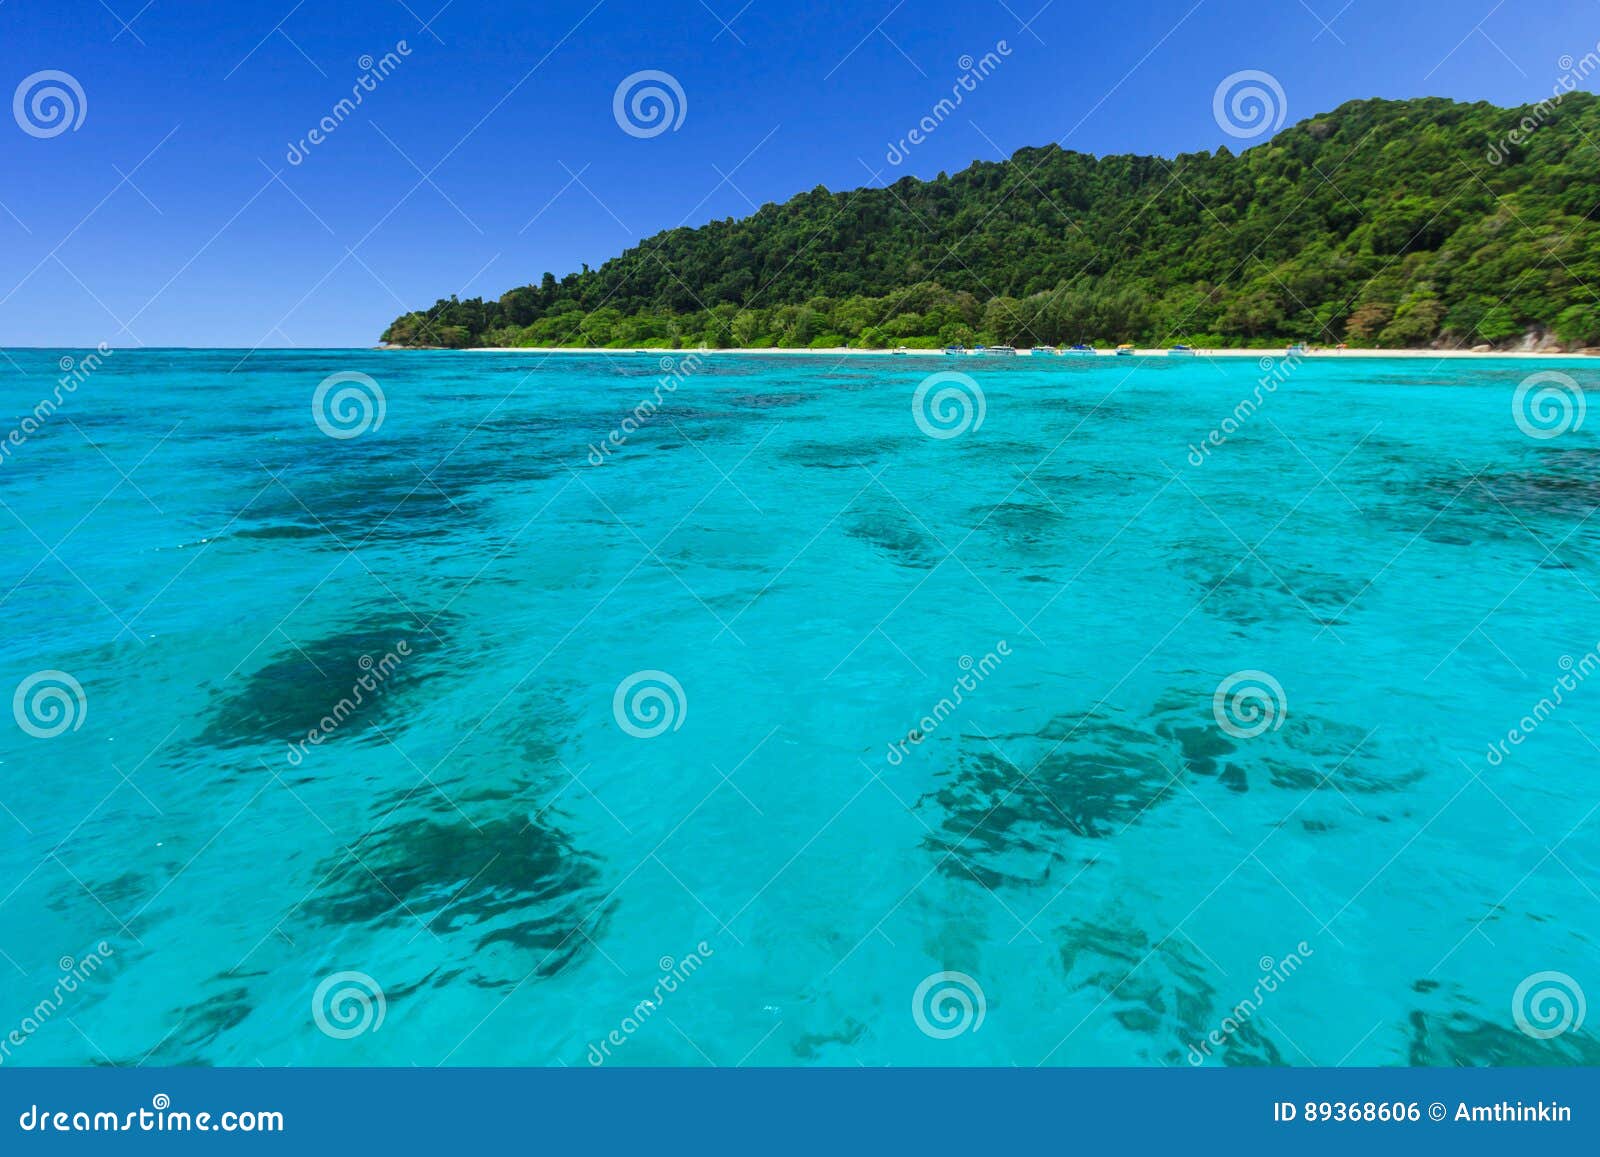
(1358, 222)
(1369, 320)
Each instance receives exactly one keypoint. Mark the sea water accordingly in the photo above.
(505, 708)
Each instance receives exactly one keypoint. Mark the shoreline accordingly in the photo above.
(1272, 352)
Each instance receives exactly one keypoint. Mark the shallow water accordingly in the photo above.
(481, 838)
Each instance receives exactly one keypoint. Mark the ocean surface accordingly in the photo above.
(1068, 712)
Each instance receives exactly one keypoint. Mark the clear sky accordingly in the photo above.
(172, 215)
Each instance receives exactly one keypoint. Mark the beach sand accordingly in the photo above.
(835, 352)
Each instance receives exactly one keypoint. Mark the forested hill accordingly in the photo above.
(1382, 223)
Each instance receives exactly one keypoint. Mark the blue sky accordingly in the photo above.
(171, 216)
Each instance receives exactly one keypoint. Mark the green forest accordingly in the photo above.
(1384, 224)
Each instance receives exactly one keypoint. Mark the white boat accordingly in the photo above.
(1181, 351)
(1077, 351)
(1002, 351)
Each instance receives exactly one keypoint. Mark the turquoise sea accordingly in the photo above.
(790, 733)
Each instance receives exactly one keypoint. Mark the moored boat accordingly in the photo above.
(1181, 351)
(1124, 350)
(1078, 351)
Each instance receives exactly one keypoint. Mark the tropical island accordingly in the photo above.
(1414, 224)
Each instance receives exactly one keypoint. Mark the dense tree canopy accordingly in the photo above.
(1382, 223)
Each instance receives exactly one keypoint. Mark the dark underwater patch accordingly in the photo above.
(117, 895)
(1472, 508)
(513, 880)
(1305, 753)
(1019, 527)
(1244, 590)
(775, 401)
(368, 497)
(304, 683)
(280, 530)
(1008, 824)
(892, 531)
(845, 454)
(1157, 989)
(198, 1026)
(813, 1047)
(1453, 1037)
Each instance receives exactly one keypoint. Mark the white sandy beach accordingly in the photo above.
(1274, 351)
